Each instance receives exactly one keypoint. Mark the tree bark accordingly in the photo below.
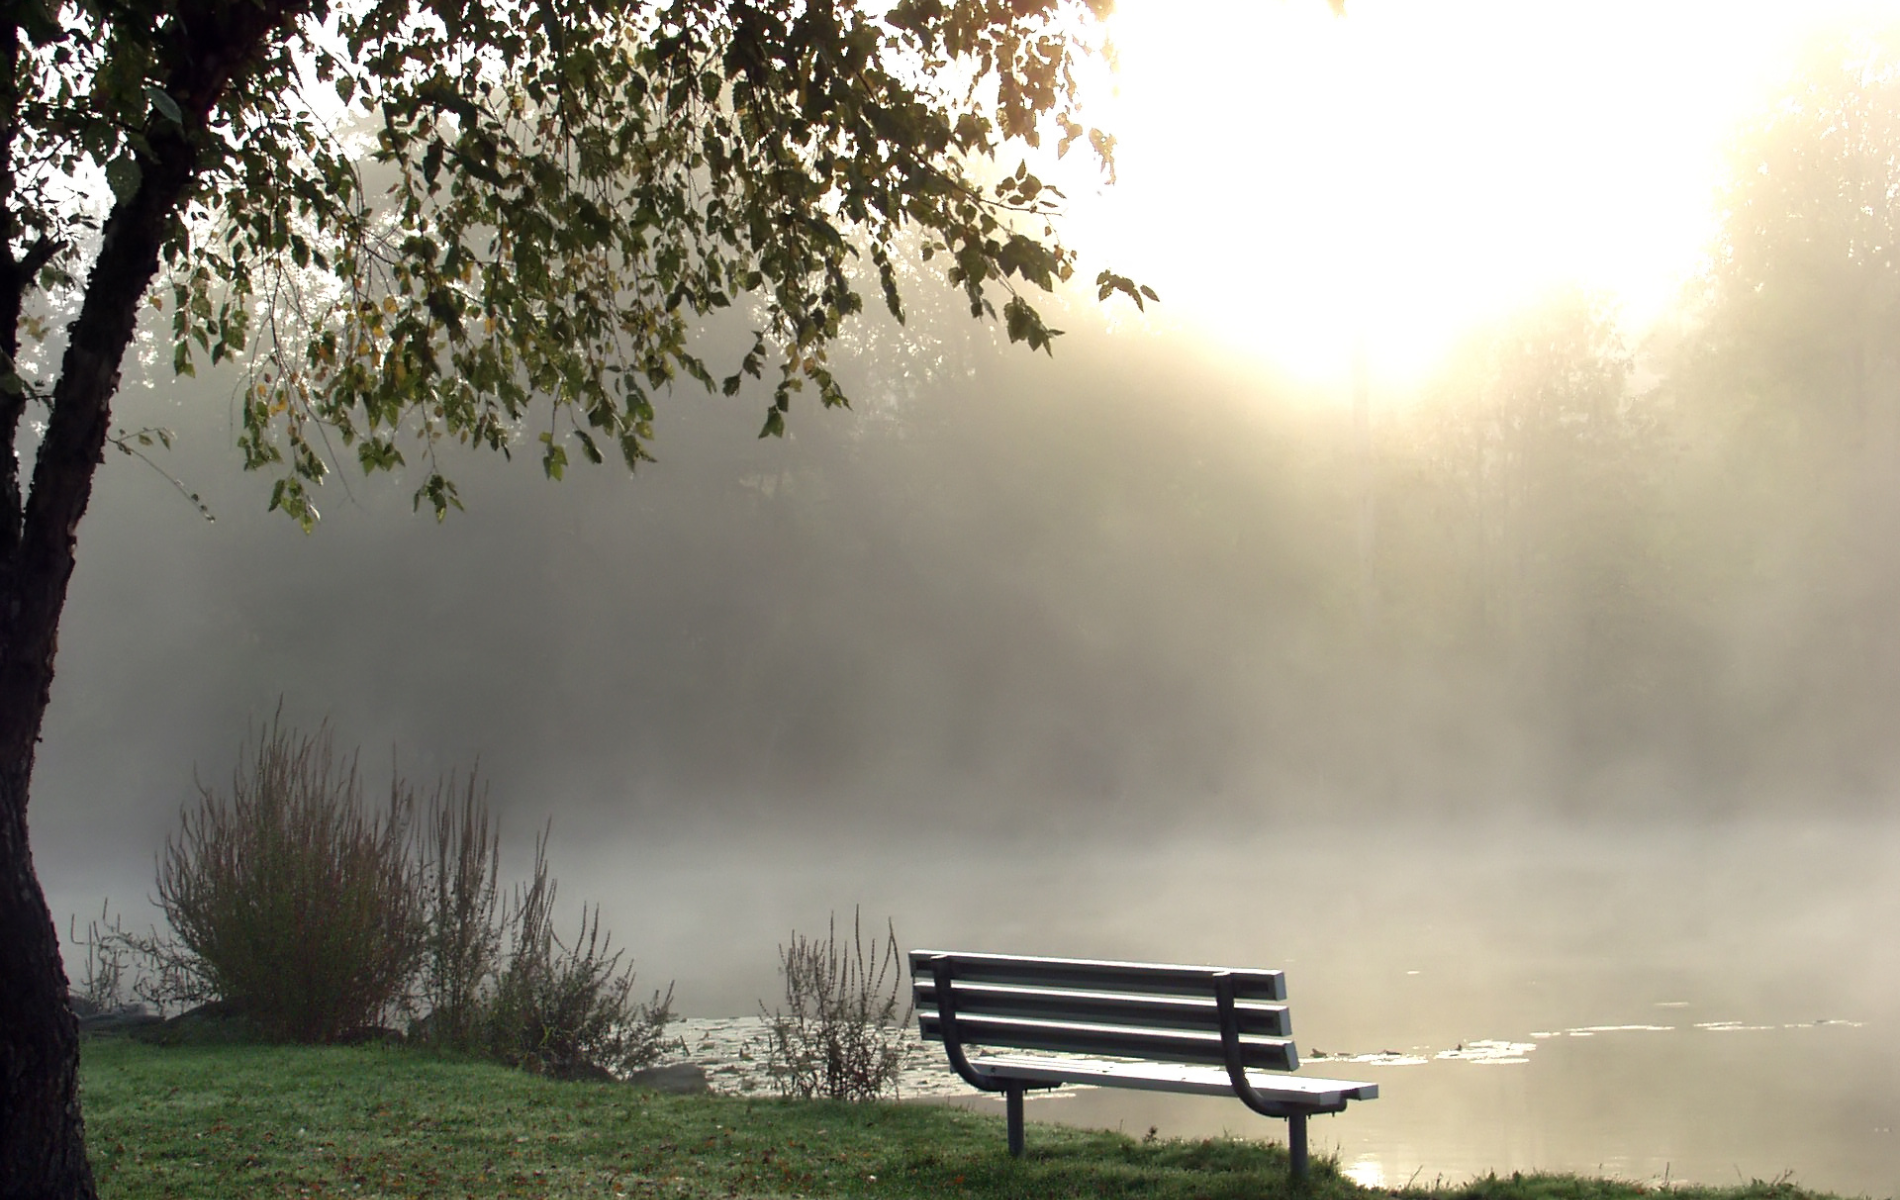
(42, 1139)
(42, 1135)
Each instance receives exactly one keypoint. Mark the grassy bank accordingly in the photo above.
(220, 1121)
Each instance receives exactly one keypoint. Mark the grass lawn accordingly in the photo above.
(183, 1122)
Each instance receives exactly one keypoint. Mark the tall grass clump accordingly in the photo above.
(314, 920)
(100, 984)
(568, 1008)
(461, 868)
(289, 899)
(839, 1034)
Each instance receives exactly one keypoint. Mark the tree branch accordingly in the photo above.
(212, 44)
(13, 284)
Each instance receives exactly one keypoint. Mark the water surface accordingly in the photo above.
(1683, 1003)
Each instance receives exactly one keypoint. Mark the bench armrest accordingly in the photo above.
(1236, 1069)
(947, 1023)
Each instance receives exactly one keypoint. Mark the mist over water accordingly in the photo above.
(1553, 712)
(1071, 658)
(1118, 590)
(1646, 999)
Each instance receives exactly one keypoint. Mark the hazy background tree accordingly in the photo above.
(1784, 378)
(1530, 467)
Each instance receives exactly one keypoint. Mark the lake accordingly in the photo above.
(1691, 1003)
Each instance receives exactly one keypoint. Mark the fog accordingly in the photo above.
(1119, 589)
(1564, 682)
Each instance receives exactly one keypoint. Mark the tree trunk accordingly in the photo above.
(42, 1136)
(211, 43)
(42, 1139)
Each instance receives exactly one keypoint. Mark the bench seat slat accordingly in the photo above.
(1107, 1008)
(1156, 1026)
(1301, 1090)
(1181, 1046)
(1102, 975)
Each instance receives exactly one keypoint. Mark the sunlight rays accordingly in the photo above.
(1288, 178)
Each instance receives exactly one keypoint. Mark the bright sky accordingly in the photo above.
(1287, 176)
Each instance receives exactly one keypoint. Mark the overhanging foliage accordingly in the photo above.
(412, 219)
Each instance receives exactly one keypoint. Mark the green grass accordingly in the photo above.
(247, 1120)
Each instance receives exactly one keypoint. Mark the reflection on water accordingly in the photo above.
(1651, 1103)
(1648, 1106)
(1491, 1052)
(733, 1052)
(1692, 1003)
(1737, 1026)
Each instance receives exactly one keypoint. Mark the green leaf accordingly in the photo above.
(123, 176)
(166, 106)
(440, 493)
(553, 458)
(1025, 325)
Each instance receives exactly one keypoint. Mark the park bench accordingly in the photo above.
(1160, 1027)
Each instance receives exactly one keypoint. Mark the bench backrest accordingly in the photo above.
(1158, 1011)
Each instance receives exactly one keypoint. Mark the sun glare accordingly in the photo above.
(1289, 180)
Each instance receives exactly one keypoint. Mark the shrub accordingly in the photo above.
(462, 940)
(568, 1009)
(839, 1034)
(288, 900)
(100, 986)
(315, 922)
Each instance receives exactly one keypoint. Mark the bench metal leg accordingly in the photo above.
(1296, 1143)
(1013, 1101)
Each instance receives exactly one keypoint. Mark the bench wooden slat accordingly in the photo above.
(1160, 1026)
(1181, 1046)
(1102, 975)
(1172, 1077)
(1105, 1008)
